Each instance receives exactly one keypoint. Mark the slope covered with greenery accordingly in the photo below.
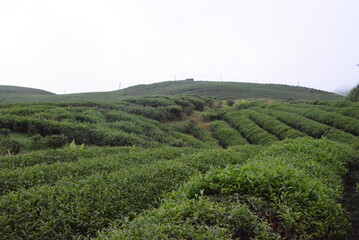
(14, 94)
(353, 95)
(179, 167)
(221, 90)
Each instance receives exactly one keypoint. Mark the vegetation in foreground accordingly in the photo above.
(178, 167)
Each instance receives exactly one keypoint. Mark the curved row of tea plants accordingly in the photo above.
(348, 111)
(74, 208)
(126, 123)
(41, 174)
(333, 119)
(71, 153)
(311, 127)
(272, 125)
(226, 135)
(251, 131)
(290, 191)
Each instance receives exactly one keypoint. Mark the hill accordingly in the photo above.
(224, 90)
(15, 94)
(229, 90)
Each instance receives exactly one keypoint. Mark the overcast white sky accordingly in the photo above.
(84, 45)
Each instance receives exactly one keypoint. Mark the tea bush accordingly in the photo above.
(9, 146)
(251, 131)
(311, 127)
(334, 119)
(50, 156)
(272, 125)
(29, 177)
(226, 135)
(273, 196)
(72, 209)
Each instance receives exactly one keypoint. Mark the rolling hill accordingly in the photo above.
(10, 94)
(225, 90)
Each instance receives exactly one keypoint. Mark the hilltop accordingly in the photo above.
(222, 90)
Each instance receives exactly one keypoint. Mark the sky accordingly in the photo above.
(71, 46)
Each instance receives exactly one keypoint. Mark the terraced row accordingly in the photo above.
(272, 122)
(289, 191)
(107, 190)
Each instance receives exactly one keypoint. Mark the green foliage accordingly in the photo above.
(353, 95)
(334, 119)
(226, 135)
(311, 127)
(244, 104)
(77, 208)
(272, 125)
(126, 123)
(41, 174)
(289, 189)
(251, 131)
(230, 103)
(52, 141)
(190, 128)
(9, 146)
(223, 90)
(66, 154)
(273, 196)
(4, 132)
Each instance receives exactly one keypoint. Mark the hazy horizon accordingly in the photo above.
(91, 46)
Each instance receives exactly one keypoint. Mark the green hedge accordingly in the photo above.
(73, 209)
(251, 131)
(24, 178)
(68, 154)
(311, 127)
(272, 125)
(276, 195)
(226, 135)
(336, 120)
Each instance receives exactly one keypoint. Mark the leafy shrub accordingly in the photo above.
(353, 95)
(52, 141)
(9, 146)
(311, 127)
(244, 104)
(334, 119)
(251, 131)
(226, 135)
(270, 197)
(70, 209)
(24, 178)
(4, 132)
(298, 122)
(190, 128)
(272, 125)
(230, 102)
(50, 156)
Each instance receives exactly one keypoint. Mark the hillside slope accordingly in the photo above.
(20, 94)
(227, 90)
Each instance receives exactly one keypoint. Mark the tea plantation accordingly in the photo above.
(179, 167)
